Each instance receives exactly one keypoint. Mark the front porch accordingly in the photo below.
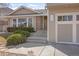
(38, 22)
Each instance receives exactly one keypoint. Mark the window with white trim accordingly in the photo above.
(14, 22)
(30, 22)
(22, 22)
(77, 17)
(65, 18)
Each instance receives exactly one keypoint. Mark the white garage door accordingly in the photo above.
(67, 28)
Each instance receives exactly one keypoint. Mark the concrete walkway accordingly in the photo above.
(37, 49)
(38, 37)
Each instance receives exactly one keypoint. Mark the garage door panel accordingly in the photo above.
(64, 33)
(77, 33)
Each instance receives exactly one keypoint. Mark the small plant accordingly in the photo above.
(15, 39)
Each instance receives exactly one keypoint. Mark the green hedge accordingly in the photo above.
(12, 29)
(25, 33)
(15, 39)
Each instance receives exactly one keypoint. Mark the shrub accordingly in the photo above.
(30, 29)
(15, 39)
(25, 33)
(12, 29)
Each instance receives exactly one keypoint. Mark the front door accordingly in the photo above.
(41, 23)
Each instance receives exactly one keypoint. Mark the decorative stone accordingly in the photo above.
(3, 41)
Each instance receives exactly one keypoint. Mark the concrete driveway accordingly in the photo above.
(39, 49)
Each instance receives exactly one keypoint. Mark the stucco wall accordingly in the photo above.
(51, 28)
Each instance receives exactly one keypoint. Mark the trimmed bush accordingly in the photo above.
(15, 39)
(12, 29)
(25, 33)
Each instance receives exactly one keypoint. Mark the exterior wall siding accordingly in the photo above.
(64, 8)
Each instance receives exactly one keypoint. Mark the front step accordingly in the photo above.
(37, 39)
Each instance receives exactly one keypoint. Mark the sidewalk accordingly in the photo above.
(37, 49)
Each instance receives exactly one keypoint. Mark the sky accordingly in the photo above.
(30, 5)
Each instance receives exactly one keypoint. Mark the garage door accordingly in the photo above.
(77, 28)
(64, 28)
(67, 28)
(65, 32)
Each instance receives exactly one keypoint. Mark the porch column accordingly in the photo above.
(43, 22)
(11, 23)
(27, 21)
(16, 22)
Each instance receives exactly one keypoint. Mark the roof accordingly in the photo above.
(42, 11)
(23, 7)
(5, 11)
(21, 11)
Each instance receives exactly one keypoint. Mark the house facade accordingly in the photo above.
(63, 23)
(23, 16)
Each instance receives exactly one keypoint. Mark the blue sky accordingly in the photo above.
(30, 5)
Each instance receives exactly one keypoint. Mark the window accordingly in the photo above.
(22, 22)
(30, 22)
(14, 22)
(65, 18)
(59, 18)
(70, 18)
(77, 17)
